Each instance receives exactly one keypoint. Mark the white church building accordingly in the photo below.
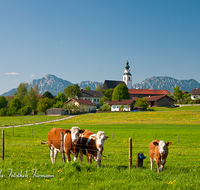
(127, 77)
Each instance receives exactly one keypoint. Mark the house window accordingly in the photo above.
(97, 100)
(128, 78)
(124, 78)
(94, 100)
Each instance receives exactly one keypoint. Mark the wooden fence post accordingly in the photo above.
(62, 146)
(155, 137)
(130, 153)
(2, 144)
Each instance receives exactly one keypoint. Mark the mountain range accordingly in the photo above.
(55, 85)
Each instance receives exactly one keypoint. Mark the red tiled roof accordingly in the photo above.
(148, 91)
(155, 98)
(121, 102)
(82, 101)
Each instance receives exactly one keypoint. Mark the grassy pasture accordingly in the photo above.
(20, 120)
(25, 153)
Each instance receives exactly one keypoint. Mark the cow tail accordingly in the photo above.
(44, 142)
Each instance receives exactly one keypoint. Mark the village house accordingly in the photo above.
(84, 105)
(93, 96)
(127, 105)
(195, 93)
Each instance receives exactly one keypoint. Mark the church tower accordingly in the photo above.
(127, 77)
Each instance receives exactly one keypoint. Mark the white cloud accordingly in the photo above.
(12, 73)
(32, 75)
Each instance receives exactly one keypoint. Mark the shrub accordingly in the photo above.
(25, 110)
(141, 102)
(3, 112)
(105, 107)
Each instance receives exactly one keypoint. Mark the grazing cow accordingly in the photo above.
(91, 145)
(71, 137)
(158, 151)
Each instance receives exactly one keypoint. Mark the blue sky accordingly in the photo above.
(91, 40)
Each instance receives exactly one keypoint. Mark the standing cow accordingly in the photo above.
(158, 151)
(71, 137)
(92, 145)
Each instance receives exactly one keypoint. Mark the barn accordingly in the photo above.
(156, 101)
(57, 111)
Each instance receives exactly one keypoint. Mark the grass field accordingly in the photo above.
(24, 153)
(20, 120)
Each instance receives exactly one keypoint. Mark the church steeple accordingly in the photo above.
(127, 77)
(127, 64)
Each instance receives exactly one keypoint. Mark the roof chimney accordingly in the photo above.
(81, 90)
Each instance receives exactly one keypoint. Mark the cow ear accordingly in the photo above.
(168, 143)
(106, 137)
(68, 131)
(81, 130)
(155, 143)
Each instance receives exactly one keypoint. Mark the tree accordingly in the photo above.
(141, 102)
(61, 97)
(47, 94)
(120, 92)
(177, 93)
(58, 104)
(107, 96)
(44, 104)
(73, 108)
(99, 88)
(22, 90)
(31, 99)
(87, 88)
(3, 102)
(15, 105)
(35, 88)
(72, 91)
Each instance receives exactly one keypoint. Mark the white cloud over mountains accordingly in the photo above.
(12, 73)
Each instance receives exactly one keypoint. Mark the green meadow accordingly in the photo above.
(27, 163)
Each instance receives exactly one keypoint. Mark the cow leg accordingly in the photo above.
(151, 162)
(68, 156)
(159, 167)
(98, 163)
(81, 156)
(89, 159)
(55, 154)
(75, 156)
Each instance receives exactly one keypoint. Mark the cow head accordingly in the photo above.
(75, 133)
(100, 140)
(162, 146)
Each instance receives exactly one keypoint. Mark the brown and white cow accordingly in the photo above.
(158, 151)
(71, 137)
(92, 145)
